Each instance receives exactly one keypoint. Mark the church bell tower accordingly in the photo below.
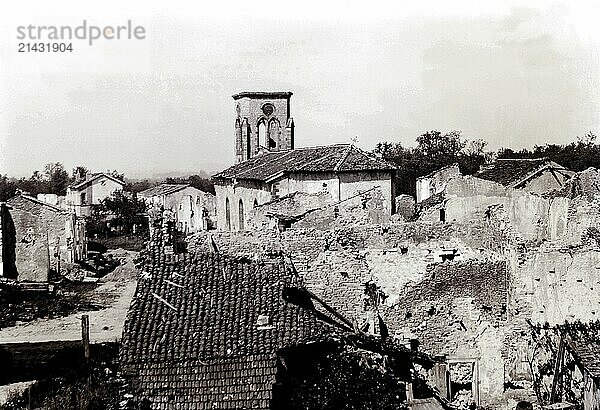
(263, 123)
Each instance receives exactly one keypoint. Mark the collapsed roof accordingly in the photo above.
(515, 172)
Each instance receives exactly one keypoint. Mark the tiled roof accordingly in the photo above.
(205, 330)
(511, 171)
(89, 181)
(331, 158)
(584, 341)
(162, 189)
(16, 200)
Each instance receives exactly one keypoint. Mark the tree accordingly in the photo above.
(434, 150)
(122, 210)
(433, 144)
(139, 186)
(57, 178)
(576, 156)
(8, 188)
(79, 173)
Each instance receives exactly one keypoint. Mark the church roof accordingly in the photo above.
(330, 159)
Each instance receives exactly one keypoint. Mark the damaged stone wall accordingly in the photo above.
(457, 310)
(45, 238)
(557, 284)
(435, 182)
(443, 284)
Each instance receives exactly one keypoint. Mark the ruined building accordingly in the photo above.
(38, 238)
(207, 330)
(472, 289)
(275, 169)
(194, 209)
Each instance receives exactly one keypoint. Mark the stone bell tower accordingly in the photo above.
(262, 123)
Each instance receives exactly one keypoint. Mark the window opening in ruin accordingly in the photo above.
(275, 191)
(227, 215)
(255, 203)
(404, 250)
(442, 215)
(448, 254)
(262, 134)
(284, 224)
(461, 384)
(83, 199)
(241, 215)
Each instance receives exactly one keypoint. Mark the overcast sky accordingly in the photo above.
(513, 73)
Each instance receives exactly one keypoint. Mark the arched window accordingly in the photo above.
(273, 133)
(241, 216)
(255, 203)
(227, 215)
(262, 134)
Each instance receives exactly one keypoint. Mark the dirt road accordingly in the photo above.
(115, 291)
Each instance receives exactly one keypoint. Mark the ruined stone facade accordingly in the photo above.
(235, 202)
(38, 238)
(435, 182)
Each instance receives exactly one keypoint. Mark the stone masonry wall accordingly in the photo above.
(444, 284)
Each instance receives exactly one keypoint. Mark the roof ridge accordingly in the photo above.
(343, 159)
(33, 199)
(315, 160)
(94, 177)
(524, 159)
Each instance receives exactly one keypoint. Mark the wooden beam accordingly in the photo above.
(560, 355)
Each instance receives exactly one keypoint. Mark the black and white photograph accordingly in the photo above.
(310, 205)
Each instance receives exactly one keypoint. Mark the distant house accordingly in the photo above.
(84, 194)
(194, 209)
(344, 171)
(38, 238)
(532, 175)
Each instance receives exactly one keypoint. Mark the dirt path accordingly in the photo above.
(116, 291)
